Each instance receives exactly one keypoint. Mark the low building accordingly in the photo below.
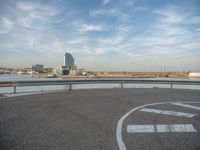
(194, 74)
(37, 67)
(61, 70)
(46, 70)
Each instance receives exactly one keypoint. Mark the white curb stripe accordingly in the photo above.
(160, 128)
(186, 105)
(166, 112)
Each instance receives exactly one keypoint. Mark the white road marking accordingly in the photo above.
(166, 112)
(176, 128)
(121, 120)
(186, 105)
(160, 128)
(140, 128)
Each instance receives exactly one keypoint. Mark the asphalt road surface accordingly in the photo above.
(108, 119)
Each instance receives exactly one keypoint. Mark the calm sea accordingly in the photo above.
(5, 77)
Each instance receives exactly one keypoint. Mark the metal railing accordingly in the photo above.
(16, 84)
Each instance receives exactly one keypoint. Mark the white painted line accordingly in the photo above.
(166, 112)
(119, 138)
(140, 128)
(162, 128)
(186, 105)
(176, 128)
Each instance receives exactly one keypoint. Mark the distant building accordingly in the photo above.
(37, 67)
(69, 67)
(68, 60)
(48, 70)
(194, 74)
(61, 70)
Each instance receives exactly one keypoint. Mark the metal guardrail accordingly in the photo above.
(15, 84)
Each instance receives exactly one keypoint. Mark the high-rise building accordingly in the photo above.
(68, 60)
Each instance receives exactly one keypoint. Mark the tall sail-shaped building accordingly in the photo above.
(68, 68)
(68, 60)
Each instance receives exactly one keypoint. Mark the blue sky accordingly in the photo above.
(111, 35)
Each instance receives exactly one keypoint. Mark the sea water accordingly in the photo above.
(14, 77)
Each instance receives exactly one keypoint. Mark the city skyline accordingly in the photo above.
(124, 35)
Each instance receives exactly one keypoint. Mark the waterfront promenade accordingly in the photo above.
(102, 119)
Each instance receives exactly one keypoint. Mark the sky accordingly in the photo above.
(102, 35)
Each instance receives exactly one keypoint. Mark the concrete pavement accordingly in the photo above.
(1, 96)
(88, 119)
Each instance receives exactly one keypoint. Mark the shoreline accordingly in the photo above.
(120, 75)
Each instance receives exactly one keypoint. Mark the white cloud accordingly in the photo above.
(77, 40)
(110, 12)
(6, 24)
(194, 20)
(105, 2)
(25, 22)
(198, 30)
(36, 9)
(170, 16)
(33, 15)
(27, 6)
(99, 51)
(91, 27)
(112, 40)
(116, 12)
(117, 38)
(53, 48)
(170, 30)
(191, 45)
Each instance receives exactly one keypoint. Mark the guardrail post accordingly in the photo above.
(70, 87)
(122, 86)
(14, 89)
(171, 85)
(14, 86)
